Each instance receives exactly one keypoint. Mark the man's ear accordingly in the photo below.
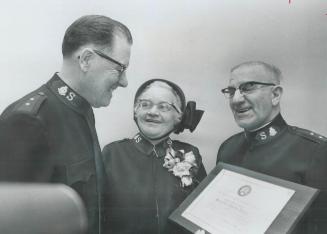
(276, 95)
(85, 58)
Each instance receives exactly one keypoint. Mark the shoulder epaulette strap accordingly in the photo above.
(32, 103)
(117, 142)
(122, 140)
(309, 134)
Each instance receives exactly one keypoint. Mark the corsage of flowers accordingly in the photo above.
(181, 164)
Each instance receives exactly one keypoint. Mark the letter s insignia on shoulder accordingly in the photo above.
(70, 96)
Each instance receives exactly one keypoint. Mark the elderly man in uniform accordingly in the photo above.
(49, 135)
(268, 144)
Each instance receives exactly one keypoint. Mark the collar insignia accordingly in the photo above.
(63, 90)
(272, 131)
(137, 138)
(68, 95)
(268, 132)
(263, 135)
(148, 148)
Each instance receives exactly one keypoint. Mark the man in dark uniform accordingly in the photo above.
(268, 144)
(49, 135)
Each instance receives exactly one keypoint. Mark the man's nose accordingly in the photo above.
(238, 97)
(123, 82)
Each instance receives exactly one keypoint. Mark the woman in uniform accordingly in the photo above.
(149, 175)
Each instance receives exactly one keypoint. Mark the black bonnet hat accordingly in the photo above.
(191, 116)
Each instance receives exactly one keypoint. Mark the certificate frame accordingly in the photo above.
(285, 221)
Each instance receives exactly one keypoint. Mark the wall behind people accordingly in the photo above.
(193, 43)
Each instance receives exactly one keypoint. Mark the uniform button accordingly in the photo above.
(41, 93)
(311, 133)
(32, 99)
(320, 137)
(27, 103)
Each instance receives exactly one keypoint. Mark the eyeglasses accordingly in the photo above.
(161, 106)
(122, 67)
(244, 88)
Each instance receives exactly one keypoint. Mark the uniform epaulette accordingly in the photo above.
(115, 143)
(309, 134)
(118, 141)
(122, 140)
(31, 104)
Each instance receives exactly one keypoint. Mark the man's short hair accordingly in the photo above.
(268, 67)
(92, 29)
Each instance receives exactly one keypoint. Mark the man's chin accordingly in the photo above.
(103, 103)
(246, 124)
(99, 105)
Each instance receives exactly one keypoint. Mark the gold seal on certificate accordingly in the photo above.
(244, 190)
(234, 200)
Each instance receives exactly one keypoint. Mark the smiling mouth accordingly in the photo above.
(242, 110)
(152, 121)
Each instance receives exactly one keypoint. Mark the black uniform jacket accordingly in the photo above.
(142, 193)
(49, 136)
(289, 153)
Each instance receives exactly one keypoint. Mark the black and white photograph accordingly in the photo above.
(116, 113)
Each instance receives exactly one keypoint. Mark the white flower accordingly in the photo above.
(182, 169)
(169, 160)
(180, 164)
(186, 181)
(189, 157)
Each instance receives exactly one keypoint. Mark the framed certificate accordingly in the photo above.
(236, 200)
